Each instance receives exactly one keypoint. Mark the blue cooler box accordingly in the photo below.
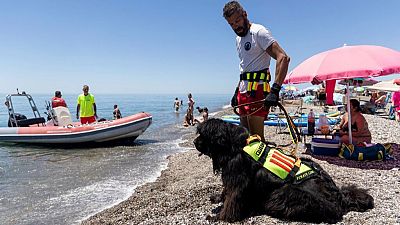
(322, 146)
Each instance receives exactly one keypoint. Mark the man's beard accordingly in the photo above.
(242, 31)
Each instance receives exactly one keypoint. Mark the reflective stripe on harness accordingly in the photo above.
(286, 167)
(255, 78)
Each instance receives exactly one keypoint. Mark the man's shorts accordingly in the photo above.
(253, 109)
(90, 119)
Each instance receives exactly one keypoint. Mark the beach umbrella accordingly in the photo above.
(389, 85)
(346, 63)
(310, 88)
(290, 88)
(361, 82)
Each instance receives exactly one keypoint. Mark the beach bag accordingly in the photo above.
(375, 152)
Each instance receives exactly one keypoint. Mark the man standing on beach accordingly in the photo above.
(86, 108)
(255, 46)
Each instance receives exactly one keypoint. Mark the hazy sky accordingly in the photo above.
(122, 46)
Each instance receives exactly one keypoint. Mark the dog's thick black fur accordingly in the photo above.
(250, 189)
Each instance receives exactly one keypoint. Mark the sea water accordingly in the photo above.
(51, 185)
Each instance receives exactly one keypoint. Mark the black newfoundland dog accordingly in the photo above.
(250, 189)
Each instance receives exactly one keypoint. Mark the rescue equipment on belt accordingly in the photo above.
(286, 167)
(255, 78)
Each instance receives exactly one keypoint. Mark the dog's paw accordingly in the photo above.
(215, 198)
(211, 218)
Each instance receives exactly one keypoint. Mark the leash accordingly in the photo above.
(293, 131)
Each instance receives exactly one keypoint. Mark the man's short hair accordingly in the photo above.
(232, 7)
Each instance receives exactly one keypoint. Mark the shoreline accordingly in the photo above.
(180, 195)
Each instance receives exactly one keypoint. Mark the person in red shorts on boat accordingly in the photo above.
(255, 46)
(86, 108)
(57, 100)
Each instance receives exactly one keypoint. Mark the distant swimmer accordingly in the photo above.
(177, 105)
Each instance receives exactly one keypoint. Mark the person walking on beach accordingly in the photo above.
(86, 107)
(57, 100)
(255, 46)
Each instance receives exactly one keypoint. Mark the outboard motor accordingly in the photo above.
(18, 116)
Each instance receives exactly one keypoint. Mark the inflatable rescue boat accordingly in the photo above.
(59, 128)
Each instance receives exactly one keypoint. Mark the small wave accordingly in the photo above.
(226, 106)
(128, 192)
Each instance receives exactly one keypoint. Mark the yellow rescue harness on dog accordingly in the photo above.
(273, 159)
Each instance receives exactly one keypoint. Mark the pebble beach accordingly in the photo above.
(181, 194)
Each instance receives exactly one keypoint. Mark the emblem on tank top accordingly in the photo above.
(247, 46)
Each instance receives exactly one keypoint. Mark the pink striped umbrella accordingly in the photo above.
(345, 63)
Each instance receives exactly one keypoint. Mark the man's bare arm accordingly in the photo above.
(282, 61)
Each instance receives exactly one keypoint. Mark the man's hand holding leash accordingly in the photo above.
(273, 96)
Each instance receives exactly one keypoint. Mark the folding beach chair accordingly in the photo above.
(295, 103)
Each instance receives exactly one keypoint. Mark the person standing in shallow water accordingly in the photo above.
(117, 113)
(177, 104)
(190, 110)
(255, 46)
(86, 107)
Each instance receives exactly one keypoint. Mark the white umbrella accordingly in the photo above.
(385, 86)
(360, 82)
(310, 88)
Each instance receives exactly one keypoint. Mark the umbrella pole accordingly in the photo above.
(349, 112)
